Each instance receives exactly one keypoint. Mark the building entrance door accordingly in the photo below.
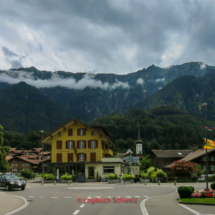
(91, 172)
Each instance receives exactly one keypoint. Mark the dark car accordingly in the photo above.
(10, 181)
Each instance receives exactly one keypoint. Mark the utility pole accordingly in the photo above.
(206, 136)
(42, 155)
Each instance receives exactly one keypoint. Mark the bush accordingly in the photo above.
(49, 177)
(203, 194)
(127, 177)
(66, 177)
(112, 176)
(185, 192)
(29, 174)
(150, 171)
(153, 176)
(213, 186)
(143, 175)
(161, 174)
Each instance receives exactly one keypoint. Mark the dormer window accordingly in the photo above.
(93, 133)
(59, 134)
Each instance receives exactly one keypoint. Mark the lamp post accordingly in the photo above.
(206, 171)
(42, 155)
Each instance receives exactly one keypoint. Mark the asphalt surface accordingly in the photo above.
(62, 199)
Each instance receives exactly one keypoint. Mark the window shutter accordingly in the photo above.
(78, 132)
(84, 132)
(70, 132)
(67, 145)
(78, 144)
(77, 157)
(85, 144)
(85, 157)
(89, 146)
(59, 144)
(96, 143)
(73, 144)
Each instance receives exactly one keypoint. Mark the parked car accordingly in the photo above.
(10, 181)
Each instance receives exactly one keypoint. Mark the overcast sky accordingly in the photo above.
(105, 36)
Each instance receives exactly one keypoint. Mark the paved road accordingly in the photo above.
(62, 199)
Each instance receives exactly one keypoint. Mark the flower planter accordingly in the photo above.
(129, 181)
(143, 180)
(113, 181)
(49, 181)
(64, 181)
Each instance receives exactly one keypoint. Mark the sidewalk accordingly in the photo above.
(9, 203)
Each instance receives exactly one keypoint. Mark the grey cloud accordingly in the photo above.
(108, 35)
(7, 52)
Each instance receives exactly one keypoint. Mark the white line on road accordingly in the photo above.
(137, 196)
(31, 196)
(89, 197)
(128, 196)
(67, 197)
(54, 197)
(145, 196)
(98, 196)
(189, 209)
(89, 188)
(82, 206)
(19, 209)
(76, 212)
(108, 197)
(117, 196)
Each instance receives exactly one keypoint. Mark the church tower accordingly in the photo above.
(139, 142)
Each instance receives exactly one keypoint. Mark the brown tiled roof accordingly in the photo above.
(45, 153)
(177, 153)
(85, 125)
(193, 155)
(37, 161)
(8, 157)
(37, 149)
(12, 149)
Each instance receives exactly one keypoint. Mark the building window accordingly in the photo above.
(81, 144)
(212, 168)
(93, 133)
(212, 158)
(81, 157)
(59, 134)
(92, 144)
(70, 132)
(204, 158)
(70, 157)
(204, 167)
(70, 144)
(59, 144)
(25, 164)
(108, 169)
(59, 157)
(81, 131)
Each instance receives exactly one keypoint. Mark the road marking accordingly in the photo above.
(189, 209)
(145, 196)
(54, 197)
(128, 196)
(137, 196)
(19, 209)
(31, 196)
(76, 212)
(82, 206)
(117, 196)
(89, 188)
(108, 197)
(67, 197)
(98, 196)
(143, 207)
(89, 197)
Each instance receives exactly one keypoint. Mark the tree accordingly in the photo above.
(4, 150)
(145, 163)
(182, 168)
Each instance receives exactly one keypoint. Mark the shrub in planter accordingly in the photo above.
(29, 174)
(49, 177)
(185, 192)
(128, 177)
(150, 171)
(143, 175)
(112, 176)
(209, 195)
(213, 186)
(66, 177)
(153, 176)
(161, 174)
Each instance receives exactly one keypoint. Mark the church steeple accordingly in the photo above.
(139, 142)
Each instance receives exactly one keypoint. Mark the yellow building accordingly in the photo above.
(75, 144)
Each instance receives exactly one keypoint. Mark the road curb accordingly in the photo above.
(142, 204)
(26, 203)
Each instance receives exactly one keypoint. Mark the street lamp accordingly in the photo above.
(42, 155)
(206, 172)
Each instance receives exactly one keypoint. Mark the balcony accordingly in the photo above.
(108, 152)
